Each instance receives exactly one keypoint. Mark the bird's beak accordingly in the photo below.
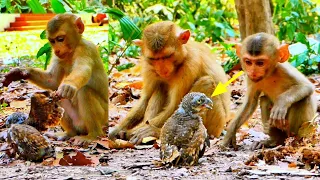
(208, 104)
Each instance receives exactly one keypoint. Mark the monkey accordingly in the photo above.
(77, 74)
(286, 95)
(172, 66)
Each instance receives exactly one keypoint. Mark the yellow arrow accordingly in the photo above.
(222, 88)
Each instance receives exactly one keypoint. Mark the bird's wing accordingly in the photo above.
(168, 151)
(196, 146)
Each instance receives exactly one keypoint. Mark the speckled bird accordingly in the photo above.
(183, 136)
(28, 143)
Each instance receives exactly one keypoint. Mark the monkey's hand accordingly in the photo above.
(81, 140)
(117, 132)
(14, 75)
(278, 117)
(144, 131)
(66, 91)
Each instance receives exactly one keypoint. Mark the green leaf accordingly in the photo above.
(36, 7)
(44, 49)
(125, 66)
(43, 34)
(290, 31)
(115, 12)
(57, 7)
(230, 32)
(300, 37)
(129, 29)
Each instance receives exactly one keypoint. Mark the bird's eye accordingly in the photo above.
(200, 101)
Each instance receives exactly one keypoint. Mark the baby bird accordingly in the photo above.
(28, 142)
(183, 136)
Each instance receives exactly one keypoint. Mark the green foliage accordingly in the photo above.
(305, 54)
(234, 59)
(296, 16)
(57, 6)
(205, 18)
(45, 49)
(125, 66)
(36, 7)
(14, 6)
(2, 106)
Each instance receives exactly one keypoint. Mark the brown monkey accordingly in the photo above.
(172, 66)
(77, 73)
(286, 95)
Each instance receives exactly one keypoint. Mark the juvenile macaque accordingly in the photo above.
(77, 73)
(172, 66)
(286, 95)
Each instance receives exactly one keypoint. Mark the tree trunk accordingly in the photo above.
(254, 16)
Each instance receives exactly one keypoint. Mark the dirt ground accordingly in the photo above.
(138, 163)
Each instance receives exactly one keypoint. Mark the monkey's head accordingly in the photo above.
(259, 55)
(162, 47)
(195, 102)
(64, 33)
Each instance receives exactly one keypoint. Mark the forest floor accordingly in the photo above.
(104, 162)
(137, 162)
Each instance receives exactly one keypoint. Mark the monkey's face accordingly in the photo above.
(256, 67)
(60, 46)
(162, 62)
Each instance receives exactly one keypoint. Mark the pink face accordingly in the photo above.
(255, 66)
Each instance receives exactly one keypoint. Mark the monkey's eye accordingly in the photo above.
(51, 41)
(167, 57)
(60, 39)
(259, 63)
(249, 63)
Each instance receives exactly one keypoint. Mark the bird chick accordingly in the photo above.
(28, 142)
(183, 136)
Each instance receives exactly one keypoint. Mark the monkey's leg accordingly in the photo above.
(93, 115)
(277, 136)
(300, 112)
(215, 119)
(155, 105)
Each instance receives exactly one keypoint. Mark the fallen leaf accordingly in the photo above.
(136, 85)
(148, 139)
(78, 160)
(18, 104)
(117, 144)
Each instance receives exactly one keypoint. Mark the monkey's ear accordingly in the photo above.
(80, 25)
(137, 42)
(238, 49)
(184, 36)
(284, 53)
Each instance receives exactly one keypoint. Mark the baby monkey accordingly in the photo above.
(286, 95)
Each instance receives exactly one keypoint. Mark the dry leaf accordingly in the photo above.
(117, 144)
(307, 130)
(18, 104)
(78, 160)
(148, 139)
(136, 85)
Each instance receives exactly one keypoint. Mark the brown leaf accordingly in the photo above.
(78, 160)
(292, 165)
(18, 104)
(136, 85)
(117, 144)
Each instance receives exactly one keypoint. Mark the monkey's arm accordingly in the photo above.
(137, 113)
(294, 94)
(49, 79)
(79, 76)
(242, 116)
(154, 125)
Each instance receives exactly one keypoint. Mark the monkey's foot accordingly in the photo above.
(144, 131)
(229, 142)
(263, 144)
(59, 136)
(81, 140)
